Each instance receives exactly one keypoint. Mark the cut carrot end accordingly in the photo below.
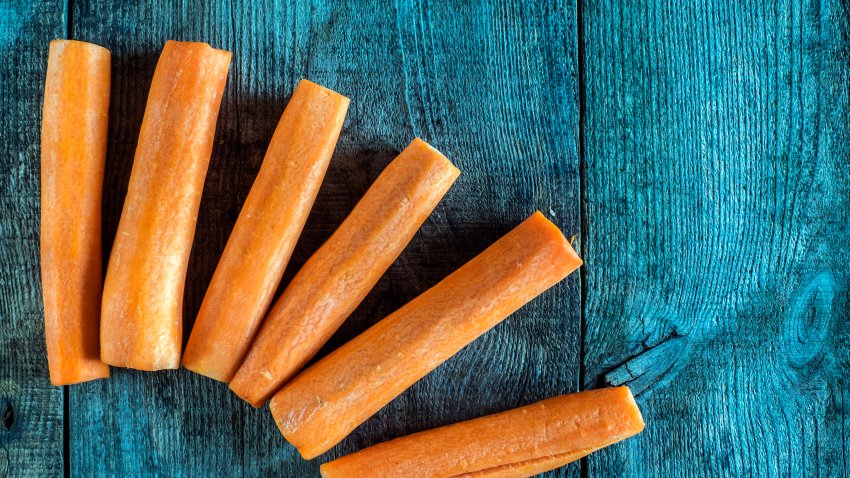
(90, 47)
(571, 260)
(313, 88)
(254, 402)
(86, 373)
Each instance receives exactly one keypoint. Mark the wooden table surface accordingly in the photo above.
(698, 151)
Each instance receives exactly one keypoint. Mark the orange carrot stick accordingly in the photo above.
(517, 443)
(327, 401)
(141, 321)
(340, 274)
(73, 155)
(269, 224)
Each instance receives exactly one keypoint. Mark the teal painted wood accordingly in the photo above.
(717, 188)
(492, 85)
(30, 408)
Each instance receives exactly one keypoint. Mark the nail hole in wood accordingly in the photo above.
(8, 416)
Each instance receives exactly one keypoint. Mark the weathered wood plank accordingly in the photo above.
(30, 408)
(717, 197)
(31, 435)
(492, 85)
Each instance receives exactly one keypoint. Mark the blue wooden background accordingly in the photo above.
(699, 151)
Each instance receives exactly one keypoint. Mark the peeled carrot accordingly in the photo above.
(141, 321)
(73, 155)
(517, 443)
(327, 401)
(266, 231)
(340, 274)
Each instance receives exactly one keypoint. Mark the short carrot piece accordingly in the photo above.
(266, 231)
(518, 443)
(327, 401)
(141, 317)
(340, 274)
(73, 156)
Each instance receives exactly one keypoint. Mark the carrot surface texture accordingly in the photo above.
(266, 231)
(341, 272)
(141, 321)
(73, 156)
(327, 401)
(518, 443)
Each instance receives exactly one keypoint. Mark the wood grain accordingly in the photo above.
(30, 408)
(717, 180)
(717, 198)
(492, 85)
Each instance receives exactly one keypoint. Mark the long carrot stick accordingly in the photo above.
(266, 231)
(327, 401)
(141, 322)
(340, 274)
(517, 443)
(73, 155)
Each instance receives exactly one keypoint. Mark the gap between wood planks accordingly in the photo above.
(66, 390)
(66, 430)
(582, 167)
